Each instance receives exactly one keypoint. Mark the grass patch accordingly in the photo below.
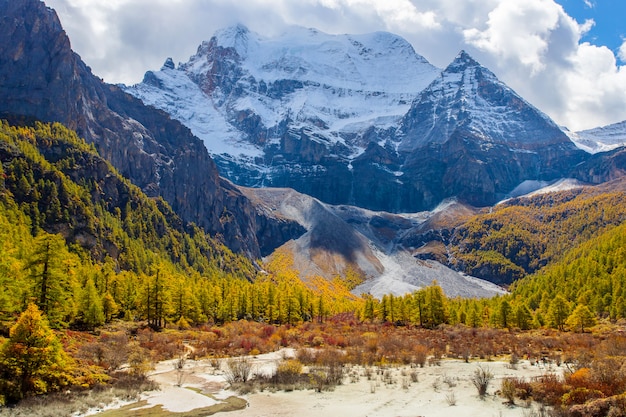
(201, 392)
(138, 409)
(124, 387)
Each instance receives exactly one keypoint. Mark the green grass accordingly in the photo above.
(137, 409)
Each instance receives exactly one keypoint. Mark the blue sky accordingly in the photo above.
(544, 49)
(609, 17)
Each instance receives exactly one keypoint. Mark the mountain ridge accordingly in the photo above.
(271, 118)
(43, 79)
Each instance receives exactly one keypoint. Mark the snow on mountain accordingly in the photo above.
(600, 139)
(531, 188)
(173, 91)
(373, 242)
(334, 85)
(467, 95)
(346, 119)
(377, 61)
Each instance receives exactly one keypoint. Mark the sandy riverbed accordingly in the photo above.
(440, 391)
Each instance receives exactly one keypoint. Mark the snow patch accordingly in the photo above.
(337, 85)
(600, 139)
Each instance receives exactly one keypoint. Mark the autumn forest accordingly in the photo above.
(87, 259)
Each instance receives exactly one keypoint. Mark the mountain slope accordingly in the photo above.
(470, 136)
(522, 235)
(376, 247)
(360, 120)
(296, 110)
(66, 188)
(600, 139)
(41, 78)
(254, 89)
(592, 273)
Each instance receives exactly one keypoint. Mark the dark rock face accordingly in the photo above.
(42, 78)
(470, 136)
(602, 167)
(466, 135)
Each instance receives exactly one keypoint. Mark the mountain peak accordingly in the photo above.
(464, 56)
(236, 37)
(463, 62)
(469, 97)
(169, 63)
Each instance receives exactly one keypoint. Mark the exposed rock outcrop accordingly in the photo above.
(360, 120)
(42, 78)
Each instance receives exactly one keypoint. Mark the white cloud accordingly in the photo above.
(399, 14)
(532, 45)
(622, 52)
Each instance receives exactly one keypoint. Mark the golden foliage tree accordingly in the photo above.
(32, 360)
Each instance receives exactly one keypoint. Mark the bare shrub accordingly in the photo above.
(481, 379)
(238, 370)
(420, 353)
(324, 378)
(109, 352)
(306, 356)
(288, 372)
(434, 361)
(523, 388)
(466, 353)
(354, 377)
(405, 383)
(414, 376)
(451, 398)
(548, 389)
(332, 361)
(508, 390)
(388, 377)
(541, 411)
(437, 384)
(215, 363)
(179, 367)
(449, 381)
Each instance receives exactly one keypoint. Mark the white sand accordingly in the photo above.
(430, 396)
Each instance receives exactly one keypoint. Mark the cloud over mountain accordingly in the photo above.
(533, 46)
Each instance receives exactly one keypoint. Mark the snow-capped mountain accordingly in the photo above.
(467, 96)
(600, 139)
(470, 136)
(242, 93)
(357, 119)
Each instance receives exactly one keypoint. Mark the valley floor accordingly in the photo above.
(434, 391)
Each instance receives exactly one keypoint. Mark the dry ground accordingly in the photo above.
(433, 391)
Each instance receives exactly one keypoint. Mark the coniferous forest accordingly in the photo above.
(95, 275)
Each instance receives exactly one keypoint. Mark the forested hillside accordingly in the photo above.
(72, 228)
(86, 246)
(522, 235)
(592, 275)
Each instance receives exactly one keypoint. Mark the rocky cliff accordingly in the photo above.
(360, 120)
(42, 78)
(470, 136)
(305, 109)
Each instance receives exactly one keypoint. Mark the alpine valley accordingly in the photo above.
(335, 193)
(347, 131)
(364, 129)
